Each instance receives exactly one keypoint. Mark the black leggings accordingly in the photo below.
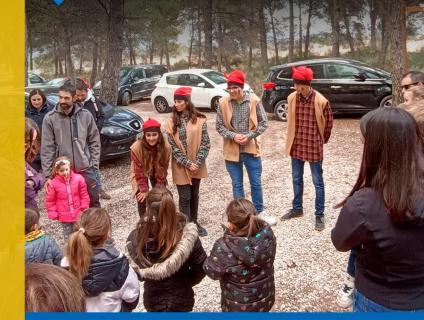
(189, 199)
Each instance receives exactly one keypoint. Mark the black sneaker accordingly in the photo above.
(201, 231)
(292, 213)
(319, 223)
(104, 195)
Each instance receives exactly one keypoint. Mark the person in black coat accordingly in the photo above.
(243, 260)
(168, 254)
(36, 109)
(88, 101)
(383, 216)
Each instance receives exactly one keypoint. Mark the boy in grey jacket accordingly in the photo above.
(39, 248)
(71, 131)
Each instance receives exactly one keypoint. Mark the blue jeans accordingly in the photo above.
(254, 171)
(362, 304)
(297, 176)
(351, 262)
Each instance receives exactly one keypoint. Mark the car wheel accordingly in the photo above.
(215, 103)
(161, 105)
(126, 98)
(281, 109)
(386, 102)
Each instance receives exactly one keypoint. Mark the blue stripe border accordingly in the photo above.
(220, 316)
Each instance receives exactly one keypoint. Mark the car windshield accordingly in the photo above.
(215, 77)
(123, 72)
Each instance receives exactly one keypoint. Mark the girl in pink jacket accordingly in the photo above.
(67, 195)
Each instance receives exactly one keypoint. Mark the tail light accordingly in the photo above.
(268, 85)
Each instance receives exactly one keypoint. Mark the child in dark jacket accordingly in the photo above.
(243, 260)
(39, 248)
(168, 254)
(110, 284)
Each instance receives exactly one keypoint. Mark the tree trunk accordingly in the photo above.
(30, 49)
(396, 18)
(69, 65)
(251, 28)
(207, 12)
(81, 61)
(60, 65)
(385, 34)
(291, 32)
(66, 65)
(299, 2)
(190, 47)
(220, 42)
(348, 33)
(161, 54)
(308, 28)
(262, 36)
(168, 61)
(274, 35)
(115, 34)
(94, 66)
(130, 47)
(152, 50)
(335, 27)
(373, 20)
(99, 71)
(199, 40)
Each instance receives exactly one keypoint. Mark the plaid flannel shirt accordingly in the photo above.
(308, 143)
(240, 120)
(203, 151)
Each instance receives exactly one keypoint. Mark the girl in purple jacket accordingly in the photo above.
(67, 195)
(33, 179)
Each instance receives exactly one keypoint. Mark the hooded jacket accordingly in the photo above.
(245, 268)
(390, 259)
(110, 285)
(67, 198)
(75, 136)
(95, 107)
(168, 284)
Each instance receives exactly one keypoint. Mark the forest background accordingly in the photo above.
(93, 39)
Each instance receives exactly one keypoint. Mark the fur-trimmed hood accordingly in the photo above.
(173, 263)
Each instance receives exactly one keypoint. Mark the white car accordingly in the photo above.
(207, 87)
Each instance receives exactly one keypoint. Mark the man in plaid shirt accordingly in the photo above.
(309, 125)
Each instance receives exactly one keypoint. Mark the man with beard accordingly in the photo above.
(69, 130)
(87, 100)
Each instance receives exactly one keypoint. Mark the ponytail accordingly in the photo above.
(94, 226)
(79, 253)
(242, 214)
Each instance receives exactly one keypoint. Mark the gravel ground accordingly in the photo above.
(308, 270)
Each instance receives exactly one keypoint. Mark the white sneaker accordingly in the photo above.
(267, 218)
(345, 296)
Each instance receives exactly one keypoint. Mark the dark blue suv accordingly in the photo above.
(350, 86)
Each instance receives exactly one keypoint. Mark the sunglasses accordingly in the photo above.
(408, 86)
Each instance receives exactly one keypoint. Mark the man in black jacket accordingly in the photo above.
(88, 101)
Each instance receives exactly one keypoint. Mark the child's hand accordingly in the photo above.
(30, 184)
(47, 184)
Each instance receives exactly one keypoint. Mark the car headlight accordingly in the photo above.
(114, 131)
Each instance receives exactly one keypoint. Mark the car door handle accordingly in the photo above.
(335, 87)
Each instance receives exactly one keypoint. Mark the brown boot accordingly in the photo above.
(104, 195)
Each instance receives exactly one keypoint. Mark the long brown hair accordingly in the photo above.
(92, 229)
(152, 155)
(193, 114)
(242, 214)
(393, 162)
(49, 288)
(160, 229)
(32, 146)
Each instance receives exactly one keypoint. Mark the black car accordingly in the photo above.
(120, 129)
(37, 82)
(136, 82)
(350, 86)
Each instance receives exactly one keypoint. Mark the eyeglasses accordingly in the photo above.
(408, 86)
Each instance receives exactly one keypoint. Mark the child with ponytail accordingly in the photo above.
(168, 254)
(243, 260)
(110, 284)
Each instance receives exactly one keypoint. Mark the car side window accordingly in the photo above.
(184, 80)
(33, 78)
(149, 73)
(341, 71)
(195, 80)
(285, 73)
(138, 74)
(318, 70)
(173, 80)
